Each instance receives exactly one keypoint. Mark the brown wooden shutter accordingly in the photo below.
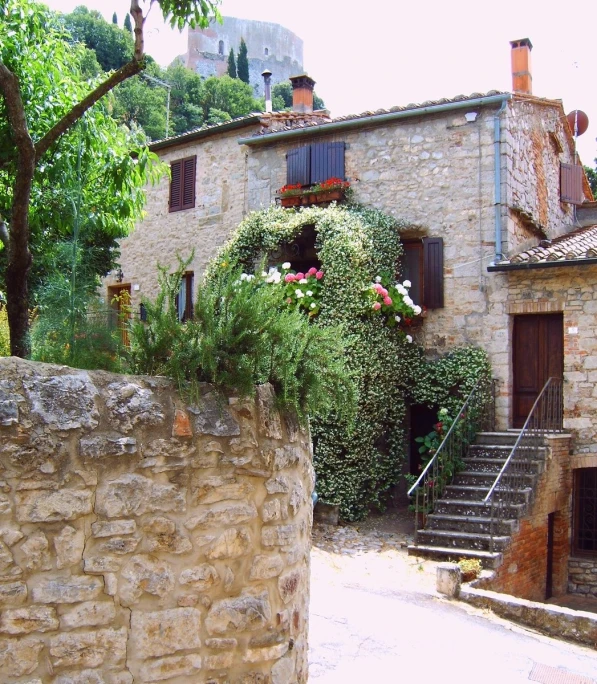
(571, 186)
(433, 275)
(298, 166)
(327, 161)
(188, 184)
(176, 185)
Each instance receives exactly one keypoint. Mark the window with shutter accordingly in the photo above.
(184, 298)
(423, 264)
(182, 183)
(315, 163)
(571, 183)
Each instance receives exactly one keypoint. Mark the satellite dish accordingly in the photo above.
(578, 122)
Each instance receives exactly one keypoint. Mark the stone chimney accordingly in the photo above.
(267, 89)
(302, 93)
(522, 79)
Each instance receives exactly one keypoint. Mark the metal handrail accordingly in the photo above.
(544, 417)
(452, 448)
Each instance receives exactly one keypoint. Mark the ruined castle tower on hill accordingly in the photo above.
(269, 46)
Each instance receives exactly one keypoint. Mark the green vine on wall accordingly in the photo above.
(357, 462)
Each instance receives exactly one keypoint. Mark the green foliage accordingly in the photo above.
(228, 95)
(4, 334)
(471, 568)
(242, 63)
(127, 23)
(115, 18)
(231, 71)
(282, 97)
(241, 335)
(112, 45)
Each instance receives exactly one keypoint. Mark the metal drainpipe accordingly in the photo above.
(498, 182)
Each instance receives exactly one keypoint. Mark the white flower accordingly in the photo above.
(378, 279)
(249, 277)
(407, 283)
(298, 293)
(274, 277)
(243, 276)
(409, 339)
(286, 265)
(402, 290)
(313, 305)
(303, 281)
(264, 274)
(397, 319)
(309, 293)
(408, 301)
(272, 270)
(417, 309)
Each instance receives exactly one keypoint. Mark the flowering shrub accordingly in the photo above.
(329, 185)
(291, 190)
(391, 302)
(303, 290)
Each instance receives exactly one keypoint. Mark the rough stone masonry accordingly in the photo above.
(144, 540)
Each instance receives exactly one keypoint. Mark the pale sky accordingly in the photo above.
(382, 53)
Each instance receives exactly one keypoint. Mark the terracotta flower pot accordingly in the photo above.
(292, 201)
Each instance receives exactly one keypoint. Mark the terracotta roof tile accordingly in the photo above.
(576, 246)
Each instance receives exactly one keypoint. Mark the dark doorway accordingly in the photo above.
(538, 354)
(549, 572)
(422, 420)
(300, 253)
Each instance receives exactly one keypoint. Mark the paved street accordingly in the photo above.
(375, 617)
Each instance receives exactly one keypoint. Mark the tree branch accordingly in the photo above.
(4, 237)
(71, 117)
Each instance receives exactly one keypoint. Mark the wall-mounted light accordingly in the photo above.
(471, 117)
(119, 275)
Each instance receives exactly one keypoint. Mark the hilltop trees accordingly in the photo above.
(42, 100)
(231, 64)
(242, 64)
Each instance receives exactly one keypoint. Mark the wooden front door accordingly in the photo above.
(538, 354)
(119, 299)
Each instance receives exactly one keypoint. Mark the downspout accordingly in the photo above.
(497, 162)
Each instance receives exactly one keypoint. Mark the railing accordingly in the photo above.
(474, 415)
(515, 480)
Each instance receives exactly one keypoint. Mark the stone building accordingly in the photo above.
(269, 46)
(500, 247)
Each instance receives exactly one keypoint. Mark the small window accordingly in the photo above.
(423, 264)
(585, 507)
(315, 163)
(571, 183)
(182, 184)
(184, 298)
(266, 51)
(221, 47)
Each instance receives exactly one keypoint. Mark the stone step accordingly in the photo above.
(502, 438)
(494, 465)
(501, 451)
(461, 540)
(474, 509)
(488, 559)
(485, 480)
(472, 493)
(469, 523)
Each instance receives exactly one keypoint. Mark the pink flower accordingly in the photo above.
(387, 301)
(312, 271)
(378, 288)
(383, 292)
(300, 276)
(289, 300)
(376, 306)
(319, 275)
(289, 278)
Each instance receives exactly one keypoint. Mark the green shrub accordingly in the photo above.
(4, 333)
(241, 335)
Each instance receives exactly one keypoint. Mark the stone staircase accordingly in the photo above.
(459, 526)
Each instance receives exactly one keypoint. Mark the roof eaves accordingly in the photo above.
(206, 131)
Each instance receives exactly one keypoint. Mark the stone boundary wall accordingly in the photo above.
(582, 576)
(524, 568)
(144, 540)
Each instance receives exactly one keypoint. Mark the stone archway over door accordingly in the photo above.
(537, 354)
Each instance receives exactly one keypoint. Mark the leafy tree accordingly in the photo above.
(231, 64)
(592, 178)
(127, 23)
(41, 101)
(112, 45)
(282, 93)
(242, 64)
(228, 95)
(115, 19)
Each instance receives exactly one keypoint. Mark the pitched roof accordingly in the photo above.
(574, 248)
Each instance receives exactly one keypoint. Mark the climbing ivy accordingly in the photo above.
(356, 461)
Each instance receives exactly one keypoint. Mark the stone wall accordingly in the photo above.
(582, 576)
(524, 569)
(145, 540)
(220, 205)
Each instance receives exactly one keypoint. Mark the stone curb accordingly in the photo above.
(554, 621)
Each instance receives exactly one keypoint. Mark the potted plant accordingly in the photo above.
(332, 189)
(291, 195)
